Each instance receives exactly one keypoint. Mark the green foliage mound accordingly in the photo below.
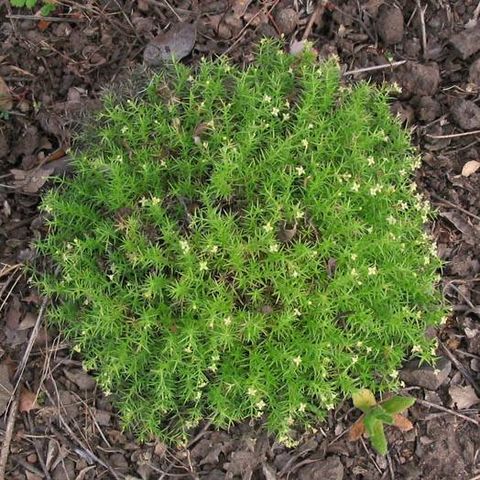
(242, 243)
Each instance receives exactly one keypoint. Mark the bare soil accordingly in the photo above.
(55, 424)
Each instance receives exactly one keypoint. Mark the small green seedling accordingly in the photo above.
(375, 415)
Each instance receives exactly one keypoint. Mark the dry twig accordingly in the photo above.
(7, 438)
(314, 17)
(448, 410)
(375, 67)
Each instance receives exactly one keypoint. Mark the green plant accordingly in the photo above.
(242, 243)
(375, 415)
(48, 6)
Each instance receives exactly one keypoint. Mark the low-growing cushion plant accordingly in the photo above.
(242, 243)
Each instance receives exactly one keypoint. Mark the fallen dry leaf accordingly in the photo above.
(470, 168)
(239, 7)
(470, 233)
(357, 430)
(31, 181)
(297, 47)
(28, 401)
(6, 102)
(401, 422)
(177, 43)
(463, 397)
(6, 388)
(287, 232)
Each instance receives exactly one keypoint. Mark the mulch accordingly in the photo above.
(55, 424)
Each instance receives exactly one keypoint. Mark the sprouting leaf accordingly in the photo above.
(397, 404)
(382, 415)
(377, 437)
(364, 399)
(17, 3)
(404, 424)
(357, 430)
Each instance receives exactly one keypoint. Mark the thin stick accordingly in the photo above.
(244, 29)
(461, 368)
(372, 459)
(7, 438)
(453, 205)
(314, 17)
(179, 18)
(421, 14)
(448, 410)
(376, 67)
(47, 19)
(9, 292)
(453, 135)
(17, 378)
(390, 466)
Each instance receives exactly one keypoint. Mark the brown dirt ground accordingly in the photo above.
(55, 70)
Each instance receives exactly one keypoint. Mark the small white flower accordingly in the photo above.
(393, 374)
(402, 172)
(294, 274)
(310, 126)
(372, 270)
(300, 170)
(368, 349)
(273, 248)
(417, 348)
(227, 320)
(261, 405)
(353, 272)
(426, 260)
(302, 407)
(297, 360)
(267, 98)
(268, 227)
(205, 144)
(354, 256)
(214, 249)
(198, 395)
(155, 200)
(213, 368)
(275, 111)
(391, 220)
(305, 143)
(203, 266)
(286, 116)
(184, 246)
(355, 187)
(290, 70)
(287, 103)
(252, 391)
(355, 359)
(190, 78)
(371, 161)
(402, 205)
(297, 312)
(124, 129)
(299, 214)
(188, 349)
